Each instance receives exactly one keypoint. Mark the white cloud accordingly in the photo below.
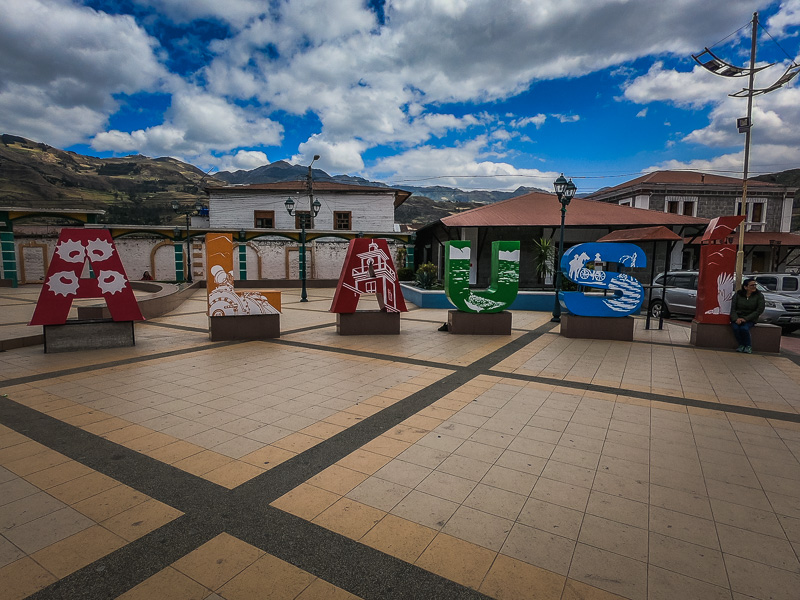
(642, 113)
(787, 16)
(537, 120)
(566, 118)
(335, 156)
(249, 159)
(462, 166)
(695, 88)
(60, 66)
(195, 124)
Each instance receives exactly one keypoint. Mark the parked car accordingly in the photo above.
(782, 283)
(681, 299)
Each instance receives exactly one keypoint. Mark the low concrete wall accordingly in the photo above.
(165, 298)
(538, 301)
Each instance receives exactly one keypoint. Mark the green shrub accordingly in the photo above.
(426, 276)
(405, 274)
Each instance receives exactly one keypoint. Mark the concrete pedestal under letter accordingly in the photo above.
(766, 338)
(368, 322)
(244, 327)
(88, 335)
(465, 323)
(597, 328)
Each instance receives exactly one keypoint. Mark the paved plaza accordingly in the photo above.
(424, 465)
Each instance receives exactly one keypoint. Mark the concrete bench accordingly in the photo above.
(766, 338)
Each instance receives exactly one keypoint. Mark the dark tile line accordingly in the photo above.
(18, 299)
(718, 406)
(177, 327)
(115, 363)
(240, 508)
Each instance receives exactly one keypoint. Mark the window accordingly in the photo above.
(756, 213)
(681, 205)
(672, 207)
(688, 209)
(303, 216)
(342, 220)
(790, 284)
(682, 281)
(771, 283)
(264, 219)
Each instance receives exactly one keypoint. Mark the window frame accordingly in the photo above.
(305, 215)
(339, 213)
(263, 214)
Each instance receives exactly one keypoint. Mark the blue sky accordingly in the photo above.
(477, 94)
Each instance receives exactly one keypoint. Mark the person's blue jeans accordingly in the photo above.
(742, 333)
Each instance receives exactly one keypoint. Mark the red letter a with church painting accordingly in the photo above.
(368, 269)
(64, 283)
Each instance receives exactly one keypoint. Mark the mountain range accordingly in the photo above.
(137, 189)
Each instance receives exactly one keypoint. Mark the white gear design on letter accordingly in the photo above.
(64, 283)
(71, 251)
(99, 250)
(111, 282)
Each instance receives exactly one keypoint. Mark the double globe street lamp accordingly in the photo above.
(187, 212)
(314, 205)
(565, 191)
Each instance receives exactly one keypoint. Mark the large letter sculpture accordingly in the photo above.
(63, 282)
(715, 286)
(504, 281)
(628, 292)
(223, 299)
(368, 269)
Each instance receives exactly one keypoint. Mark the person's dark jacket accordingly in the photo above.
(746, 308)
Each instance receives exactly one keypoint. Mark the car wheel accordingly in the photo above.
(658, 309)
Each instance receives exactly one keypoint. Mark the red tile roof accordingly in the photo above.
(539, 209)
(400, 196)
(661, 179)
(641, 234)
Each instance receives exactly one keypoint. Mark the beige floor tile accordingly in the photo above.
(569, 474)
(400, 538)
(48, 529)
(511, 579)
(218, 561)
(614, 537)
(680, 501)
(773, 551)
(338, 480)
(425, 509)
(22, 578)
(364, 461)
(108, 503)
(509, 480)
(551, 518)
(57, 474)
(233, 474)
(322, 590)
(172, 453)
(685, 527)
(563, 494)
(269, 578)
(349, 518)
(495, 501)
(306, 501)
(36, 462)
(386, 446)
(141, 519)
(611, 572)
(82, 487)
(203, 462)
(77, 551)
(688, 559)
(167, 584)
(758, 580)
(667, 585)
(457, 560)
(478, 527)
(423, 456)
(268, 457)
(539, 548)
(577, 590)
(378, 493)
(532, 465)
(27, 509)
(403, 473)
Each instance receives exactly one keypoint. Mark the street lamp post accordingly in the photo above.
(565, 190)
(314, 206)
(187, 212)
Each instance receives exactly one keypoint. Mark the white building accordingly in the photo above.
(344, 207)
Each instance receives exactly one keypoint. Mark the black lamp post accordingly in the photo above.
(187, 212)
(565, 190)
(314, 206)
